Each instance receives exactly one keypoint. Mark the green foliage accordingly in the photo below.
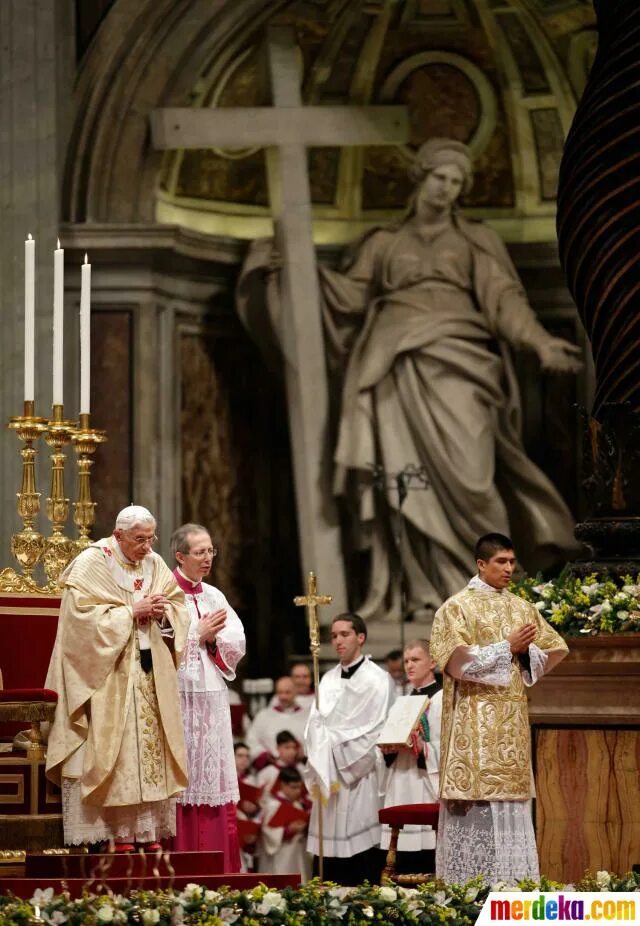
(589, 605)
(313, 904)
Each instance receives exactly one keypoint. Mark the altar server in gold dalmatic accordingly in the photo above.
(491, 645)
(116, 746)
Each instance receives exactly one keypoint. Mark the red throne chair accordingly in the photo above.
(396, 818)
(32, 706)
(30, 806)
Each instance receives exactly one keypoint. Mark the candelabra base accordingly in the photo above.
(12, 583)
(59, 551)
(28, 547)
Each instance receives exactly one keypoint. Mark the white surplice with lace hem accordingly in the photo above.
(205, 704)
(344, 766)
(493, 838)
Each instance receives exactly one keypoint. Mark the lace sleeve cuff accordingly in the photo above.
(537, 665)
(166, 629)
(489, 665)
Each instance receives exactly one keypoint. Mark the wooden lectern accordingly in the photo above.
(585, 719)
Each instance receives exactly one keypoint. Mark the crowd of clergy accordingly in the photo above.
(143, 748)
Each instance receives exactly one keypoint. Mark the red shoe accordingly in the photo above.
(151, 846)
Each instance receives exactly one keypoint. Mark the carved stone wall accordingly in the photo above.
(214, 470)
(112, 401)
(237, 480)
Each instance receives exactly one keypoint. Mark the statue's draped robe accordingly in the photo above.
(419, 328)
(485, 749)
(206, 813)
(116, 745)
(429, 381)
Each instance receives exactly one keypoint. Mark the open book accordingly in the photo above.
(248, 831)
(249, 792)
(287, 813)
(402, 720)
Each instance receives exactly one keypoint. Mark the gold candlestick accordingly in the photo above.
(27, 545)
(59, 550)
(85, 441)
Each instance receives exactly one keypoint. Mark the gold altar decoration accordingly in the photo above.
(27, 545)
(85, 441)
(312, 601)
(59, 550)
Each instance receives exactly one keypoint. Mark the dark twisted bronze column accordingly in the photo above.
(599, 241)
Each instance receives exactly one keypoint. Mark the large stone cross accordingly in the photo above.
(287, 129)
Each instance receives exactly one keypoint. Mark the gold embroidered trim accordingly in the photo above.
(152, 740)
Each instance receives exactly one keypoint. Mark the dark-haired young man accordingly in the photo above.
(343, 763)
(491, 645)
(287, 752)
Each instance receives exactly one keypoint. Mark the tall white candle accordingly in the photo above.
(85, 338)
(58, 323)
(29, 318)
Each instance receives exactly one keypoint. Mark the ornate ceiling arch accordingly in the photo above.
(502, 75)
(146, 53)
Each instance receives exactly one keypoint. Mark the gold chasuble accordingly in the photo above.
(485, 738)
(116, 742)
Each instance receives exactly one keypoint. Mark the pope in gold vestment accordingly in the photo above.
(116, 745)
(485, 757)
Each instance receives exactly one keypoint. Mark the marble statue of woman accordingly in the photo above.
(423, 316)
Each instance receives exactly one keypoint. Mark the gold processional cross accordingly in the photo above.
(312, 601)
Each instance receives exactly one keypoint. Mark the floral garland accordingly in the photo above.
(314, 904)
(588, 605)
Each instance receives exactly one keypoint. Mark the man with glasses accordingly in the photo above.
(116, 746)
(216, 644)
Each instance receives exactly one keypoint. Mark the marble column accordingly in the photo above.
(36, 74)
(599, 241)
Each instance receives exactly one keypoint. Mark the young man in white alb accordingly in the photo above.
(344, 766)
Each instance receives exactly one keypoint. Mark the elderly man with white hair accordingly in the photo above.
(116, 746)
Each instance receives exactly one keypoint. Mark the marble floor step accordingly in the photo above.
(82, 865)
(25, 887)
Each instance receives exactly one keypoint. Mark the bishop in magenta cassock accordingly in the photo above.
(215, 645)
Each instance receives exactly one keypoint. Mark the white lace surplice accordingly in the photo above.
(84, 824)
(205, 704)
(493, 838)
(344, 763)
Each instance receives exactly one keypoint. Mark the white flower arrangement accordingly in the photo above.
(585, 605)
